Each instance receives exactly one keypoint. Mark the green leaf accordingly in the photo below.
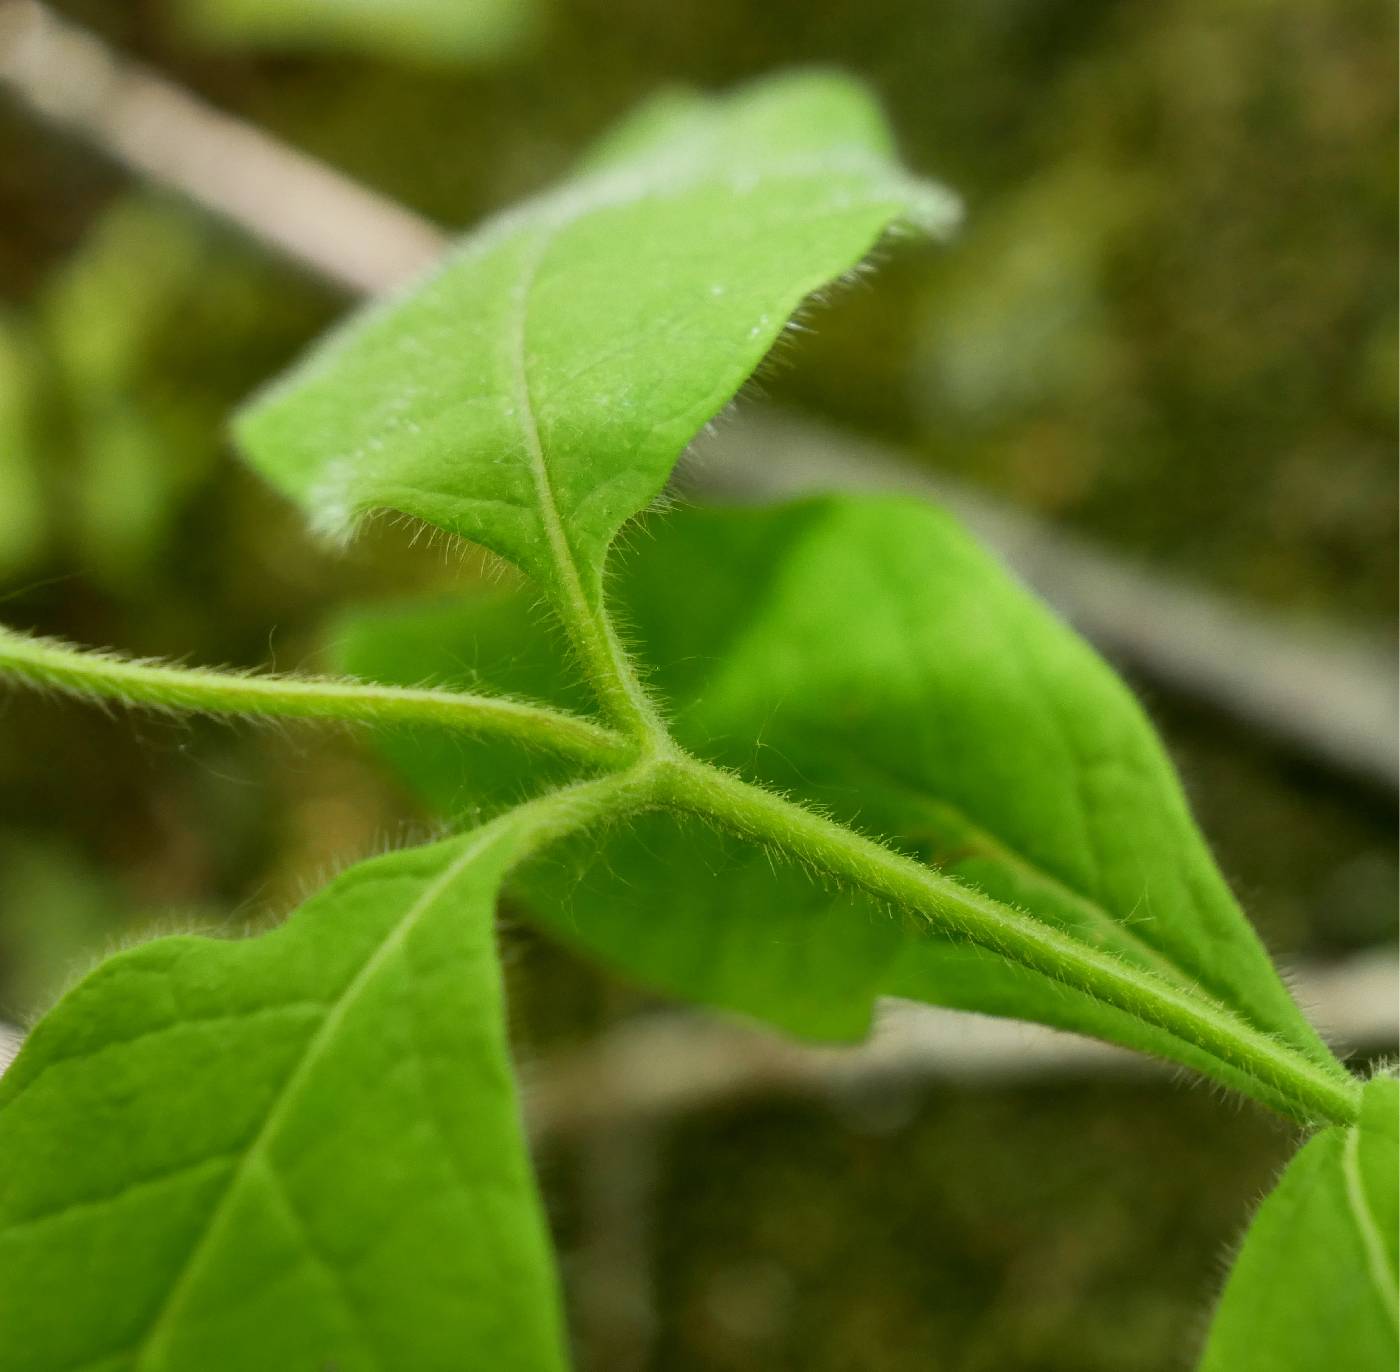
(300, 1151)
(1317, 1283)
(866, 656)
(105, 308)
(134, 440)
(534, 391)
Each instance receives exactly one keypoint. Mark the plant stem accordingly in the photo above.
(1267, 1069)
(612, 673)
(555, 815)
(101, 676)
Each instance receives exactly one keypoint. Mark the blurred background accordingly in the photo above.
(1163, 352)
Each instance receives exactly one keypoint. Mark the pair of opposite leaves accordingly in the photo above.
(303, 1150)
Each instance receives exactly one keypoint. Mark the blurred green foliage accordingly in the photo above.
(429, 31)
(22, 512)
(1169, 323)
(106, 441)
(1170, 320)
(1190, 307)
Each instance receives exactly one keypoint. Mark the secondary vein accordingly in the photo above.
(536, 822)
(253, 1157)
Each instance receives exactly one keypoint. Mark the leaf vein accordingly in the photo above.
(112, 1197)
(160, 1324)
(1378, 1268)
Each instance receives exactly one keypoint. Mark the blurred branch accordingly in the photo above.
(296, 205)
(661, 1065)
(655, 1066)
(1332, 695)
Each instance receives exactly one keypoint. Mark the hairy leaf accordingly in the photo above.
(534, 391)
(1317, 1283)
(296, 1151)
(866, 656)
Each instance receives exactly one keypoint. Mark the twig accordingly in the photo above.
(295, 204)
(665, 1064)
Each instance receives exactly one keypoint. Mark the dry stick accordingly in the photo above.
(661, 1065)
(294, 204)
(1331, 694)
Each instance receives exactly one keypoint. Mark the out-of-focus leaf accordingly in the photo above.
(23, 525)
(1024, 317)
(59, 916)
(296, 1151)
(127, 492)
(131, 442)
(100, 310)
(1317, 1284)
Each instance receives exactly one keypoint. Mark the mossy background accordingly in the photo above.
(1169, 325)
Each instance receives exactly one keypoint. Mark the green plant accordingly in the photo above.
(836, 754)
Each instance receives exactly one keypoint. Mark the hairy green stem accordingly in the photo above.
(101, 676)
(612, 673)
(1267, 1069)
(564, 811)
(1280, 1076)
(1270, 1071)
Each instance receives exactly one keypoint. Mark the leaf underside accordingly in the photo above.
(299, 1151)
(863, 655)
(1317, 1282)
(534, 391)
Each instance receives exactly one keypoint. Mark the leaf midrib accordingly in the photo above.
(1378, 1268)
(1112, 930)
(547, 507)
(731, 651)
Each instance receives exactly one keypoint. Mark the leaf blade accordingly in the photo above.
(533, 393)
(280, 1163)
(1315, 1284)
